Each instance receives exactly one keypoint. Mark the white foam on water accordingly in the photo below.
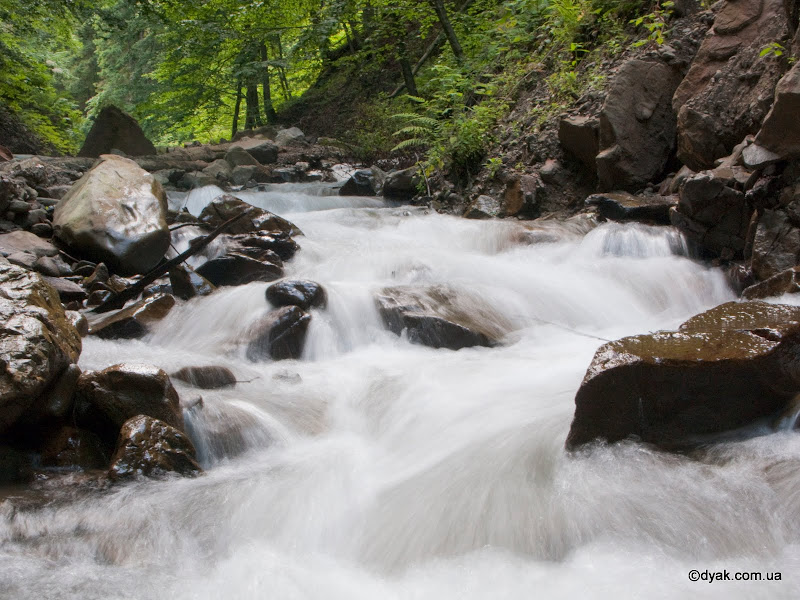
(375, 468)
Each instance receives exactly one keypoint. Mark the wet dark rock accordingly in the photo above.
(713, 213)
(722, 370)
(132, 321)
(70, 447)
(207, 378)
(227, 206)
(15, 465)
(439, 317)
(402, 185)
(364, 182)
(622, 206)
(113, 129)
(116, 214)
(637, 125)
(148, 447)
(297, 292)
(785, 282)
(280, 334)
(776, 246)
(37, 341)
(280, 243)
(186, 283)
(237, 269)
(106, 399)
(580, 136)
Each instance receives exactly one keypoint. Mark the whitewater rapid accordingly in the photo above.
(373, 468)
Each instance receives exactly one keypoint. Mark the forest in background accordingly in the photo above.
(428, 77)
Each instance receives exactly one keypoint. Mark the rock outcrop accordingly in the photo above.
(635, 150)
(724, 369)
(780, 133)
(729, 88)
(116, 214)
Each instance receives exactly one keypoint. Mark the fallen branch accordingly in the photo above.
(118, 300)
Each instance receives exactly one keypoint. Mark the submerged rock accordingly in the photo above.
(37, 341)
(116, 213)
(439, 317)
(621, 206)
(296, 292)
(148, 447)
(70, 447)
(207, 378)
(238, 269)
(722, 370)
(280, 334)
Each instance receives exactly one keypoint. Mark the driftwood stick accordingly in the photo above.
(132, 291)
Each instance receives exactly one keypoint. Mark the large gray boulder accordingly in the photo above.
(637, 125)
(37, 341)
(727, 368)
(116, 214)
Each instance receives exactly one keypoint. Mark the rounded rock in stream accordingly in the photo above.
(207, 378)
(297, 292)
(108, 398)
(151, 448)
(724, 369)
(278, 335)
(237, 269)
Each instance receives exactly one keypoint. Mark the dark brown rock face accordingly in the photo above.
(580, 136)
(207, 378)
(37, 341)
(776, 246)
(364, 182)
(72, 447)
(780, 133)
(637, 125)
(723, 369)
(113, 129)
(296, 292)
(148, 447)
(785, 282)
(729, 88)
(227, 206)
(439, 317)
(280, 334)
(188, 284)
(621, 206)
(108, 398)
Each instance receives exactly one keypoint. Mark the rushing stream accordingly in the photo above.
(374, 468)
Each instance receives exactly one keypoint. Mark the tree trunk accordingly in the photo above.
(405, 67)
(441, 13)
(237, 108)
(281, 71)
(253, 116)
(269, 110)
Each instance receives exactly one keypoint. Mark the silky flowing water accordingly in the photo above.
(374, 468)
